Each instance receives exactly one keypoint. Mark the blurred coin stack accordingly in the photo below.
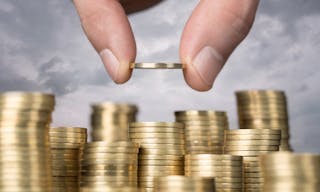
(25, 163)
(67, 145)
(264, 109)
(226, 169)
(289, 172)
(204, 130)
(110, 121)
(161, 150)
(250, 143)
(177, 183)
(109, 165)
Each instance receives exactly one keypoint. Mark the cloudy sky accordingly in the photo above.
(43, 48)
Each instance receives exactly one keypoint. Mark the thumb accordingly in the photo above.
(213, 31)
(107, 28)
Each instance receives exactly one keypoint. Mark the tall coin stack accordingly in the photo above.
(250, 143)
(25, 163)
(110, 121)
(109, 165)
(67, 145)
(264, 109)
(161, 150)
(226, 169)
(284, 171)
(204, 130)
(177, 183)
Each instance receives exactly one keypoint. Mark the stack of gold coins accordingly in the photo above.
(226, 169)
(177, 183)
(109, 165)
(25, 163)
(110, 121)
(264, 109)
(250, 143)
(161, 150)
(67, 145)
(204, 130)
(284, 171)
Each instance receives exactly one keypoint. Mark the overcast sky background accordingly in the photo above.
(43, 48)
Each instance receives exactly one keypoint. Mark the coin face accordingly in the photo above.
(156, 66)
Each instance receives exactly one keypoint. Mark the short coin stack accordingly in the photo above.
(66, 150)
(226, 169)
(264, 109)
(110, 121)
(25, 163)
(250, 143)
(109, 165)
(161, 150)
(284, 171)
(204, 130)
(177, 183)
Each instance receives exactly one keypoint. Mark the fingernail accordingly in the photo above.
(111, 63)
(208, 64)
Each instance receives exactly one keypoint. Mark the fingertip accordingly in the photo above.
(108, 29)
(194, 81)
(118, 70)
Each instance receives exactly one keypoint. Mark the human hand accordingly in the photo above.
(214, 30)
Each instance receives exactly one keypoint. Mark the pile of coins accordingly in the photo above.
(177, 183)
(161, 150)
(264, 109)
(204, 130)
(226, 169)
(25, 164)
(250, 143)
(110, 121)
(109, 165)
(67, 145)
(284, 171)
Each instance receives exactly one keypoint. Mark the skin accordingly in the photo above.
(213, 31)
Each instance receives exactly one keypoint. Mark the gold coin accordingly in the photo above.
(134, 130)
(54, 145)
(156, 124)
(200, 113)
(160, 157)
(213, 157)
(247, 153)
(251, 148)
(164, 145)
(111, 150)
(252, 142)
(104, 156)
(161, 162)
(252, 175)
(207, 162)
(228, 180)
(252, 137)
(252, 132)
(158, 141)
(114, 107)
(156, 66)
(213, 169)
(107, 162)
(252, 169)
(233, 174)
(103, 144)
(156, 135)
(110, 167)
(161, 151)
